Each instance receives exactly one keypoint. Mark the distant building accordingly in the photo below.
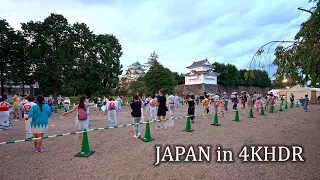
(11, 90)
(133, 72)
(201, 72)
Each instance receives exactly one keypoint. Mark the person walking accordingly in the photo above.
(40, 114)
(191, 107)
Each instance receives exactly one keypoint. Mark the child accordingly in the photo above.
(205, 103)
(221, 104)
(112, 113)
(26, 108)
(66, 103)
(259, 104)
(306, 103)
(136, 106)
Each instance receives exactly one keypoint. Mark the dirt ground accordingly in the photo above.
(120, 156)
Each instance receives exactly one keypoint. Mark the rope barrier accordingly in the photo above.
(110, 127)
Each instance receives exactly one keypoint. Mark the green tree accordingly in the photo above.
(297, 59)
(229, 74)
(53, 50)
(7, 51)
(152, 59)
(159, 77)
(109, 53)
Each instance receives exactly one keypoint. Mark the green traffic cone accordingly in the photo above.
(147, 134)
(55, 108)
(271, 109)
(280, 109)
(85, 149)
(236, 118)
(188, 125)
(286, 105)
(297, 105)
(281, 102)
(215, 121)
(291, 105)
(251, 113)
(262, 111)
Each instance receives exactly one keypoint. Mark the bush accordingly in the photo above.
(75, 100)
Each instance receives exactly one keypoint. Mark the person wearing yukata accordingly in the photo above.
(50, 102)
(26, 109)
(112, 112)
(206, 103)
(119, 101)
(59, 100)
(153, 108)
(66, 104)
(5, 122)
(23, 102)
(16, 105)
(176, 101)
(221, 103)
(259, 104)
(104, 104)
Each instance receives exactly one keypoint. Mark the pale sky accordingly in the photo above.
(180, 31)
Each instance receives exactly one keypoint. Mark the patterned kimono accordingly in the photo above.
(5, 122)
(221, 106)
(259, 104)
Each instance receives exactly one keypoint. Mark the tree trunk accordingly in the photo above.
(55, 92)
(2, 82)
(23, 86)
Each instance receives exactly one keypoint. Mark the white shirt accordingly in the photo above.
(66, 102)
(216, 98)
(27, 107)
(171, 99)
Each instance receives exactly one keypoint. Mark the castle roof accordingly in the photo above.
(208, 72)
(135, 64)
(200, 63)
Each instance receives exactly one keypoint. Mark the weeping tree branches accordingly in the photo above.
(298, 59)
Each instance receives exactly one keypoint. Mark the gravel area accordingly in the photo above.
(120, 156)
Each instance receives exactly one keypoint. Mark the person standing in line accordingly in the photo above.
(95, 101)
(191, 107)
(81, 122)
(136, 106)
(162, 110)
(26, 109)
(5, 122)
(112, 112)
(292, 98)
(206, 103)
(23, 102)
(306, 103)
(16, 106)
(226, 99)
(40, 114)
(216, 102)
(171, 105)
(66, 104)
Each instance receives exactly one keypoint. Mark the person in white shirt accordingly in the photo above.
(66, 104)
(26, 108)
(171, 105)
(23, 102)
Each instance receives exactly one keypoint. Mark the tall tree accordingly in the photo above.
(54, 50)
(7, 36)
(109, 53)
(152, 59)
(159, 77)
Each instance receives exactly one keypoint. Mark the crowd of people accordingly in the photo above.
(36, 111)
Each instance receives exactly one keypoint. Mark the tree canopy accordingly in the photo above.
(62, 57)
(231, 77)
(298, 60)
